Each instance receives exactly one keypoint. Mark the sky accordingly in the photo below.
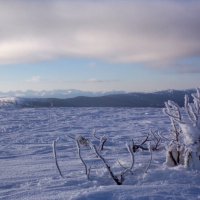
(91, 45)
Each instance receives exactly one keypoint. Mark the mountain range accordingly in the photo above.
(134, 99)
(60, 94)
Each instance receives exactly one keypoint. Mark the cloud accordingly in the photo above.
(188, 69)
(155, 33)
(34, 79)
(94, 80)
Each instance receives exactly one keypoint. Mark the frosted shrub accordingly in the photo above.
(96, 150)
(184, 148)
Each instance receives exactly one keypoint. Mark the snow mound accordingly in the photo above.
(8, 101)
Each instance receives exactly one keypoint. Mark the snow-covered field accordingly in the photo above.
(28, 170)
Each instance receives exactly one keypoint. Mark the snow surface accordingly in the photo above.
(28, 170)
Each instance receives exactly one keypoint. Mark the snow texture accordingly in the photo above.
(28, 170)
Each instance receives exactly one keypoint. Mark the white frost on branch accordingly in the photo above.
(190, 133)
(82, 142)
(55, 157)
(184, 147)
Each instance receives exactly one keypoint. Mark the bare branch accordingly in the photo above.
(121, 164)
(73, 138)
(102, 143)
(146, 139)
(194, 113)
(87, 170)
(172, 158)
(82, 141)
(115, 178)
(149, 164)
(55, 157)
(140, 146)
(94, 134)
(157, 138)
(190, 111)
(102, 140)
(196, 100)
(197, 95)
(166, 111)
(172, 110)
(130, 150)
(165, 138)
(176, 131)
(136, 147)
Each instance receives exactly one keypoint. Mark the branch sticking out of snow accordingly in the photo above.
(102, 140)
(117, 180)
(55, 157)
(151, 156)
(87, 170)
(172, 110)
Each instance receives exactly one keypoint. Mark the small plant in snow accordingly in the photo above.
(82, 142)
(154, 137)
(184, 147)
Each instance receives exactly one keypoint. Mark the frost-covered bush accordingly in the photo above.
(96, 150)
(184, 148)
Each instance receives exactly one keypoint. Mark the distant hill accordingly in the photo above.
(60, 94)
(155, 99)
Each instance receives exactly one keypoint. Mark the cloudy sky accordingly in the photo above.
(131, 45)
